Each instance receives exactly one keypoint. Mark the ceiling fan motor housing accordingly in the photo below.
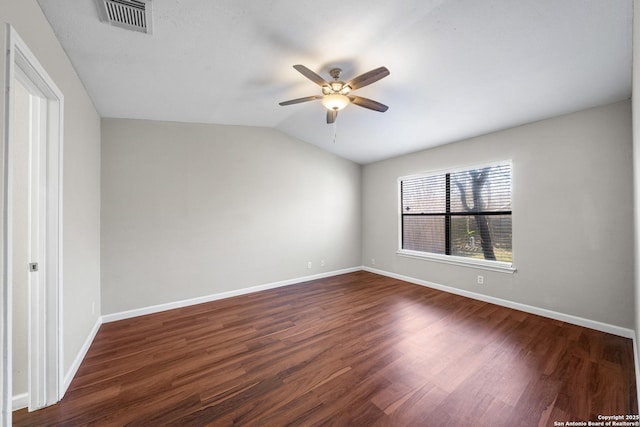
(336, 86)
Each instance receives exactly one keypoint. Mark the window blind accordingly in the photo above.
(463, 213)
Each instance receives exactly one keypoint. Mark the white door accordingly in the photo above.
(20, 244)
(36, 266)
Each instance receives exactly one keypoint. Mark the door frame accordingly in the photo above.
(46, 347)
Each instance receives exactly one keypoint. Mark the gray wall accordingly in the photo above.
(191, 210)
(81, 174)
(572, 214)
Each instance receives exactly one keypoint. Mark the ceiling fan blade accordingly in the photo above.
(310, 75)
(368, 78)
(368, 103)
(299, 100)
(331, 116)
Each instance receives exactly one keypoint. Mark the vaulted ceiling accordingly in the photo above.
(459, 68)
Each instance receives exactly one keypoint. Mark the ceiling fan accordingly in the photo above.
(337, 94)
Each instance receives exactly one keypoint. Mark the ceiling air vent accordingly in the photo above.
(130, 14)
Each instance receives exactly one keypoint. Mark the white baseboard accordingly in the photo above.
(580, 321)
(68, 377)
(213, 297)
(636, 355)
(19, 401)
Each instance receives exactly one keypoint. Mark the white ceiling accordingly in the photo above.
(459, 68)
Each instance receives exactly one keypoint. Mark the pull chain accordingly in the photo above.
(335, 130)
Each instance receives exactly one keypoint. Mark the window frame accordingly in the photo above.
(499, 266)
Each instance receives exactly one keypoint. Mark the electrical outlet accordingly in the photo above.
(373, 261)
(322, 263)
(480, 280)
(309, 265)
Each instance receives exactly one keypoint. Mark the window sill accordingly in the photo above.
(499, 266)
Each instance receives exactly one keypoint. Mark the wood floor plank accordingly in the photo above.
(356, 349)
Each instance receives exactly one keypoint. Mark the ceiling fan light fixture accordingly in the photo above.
(335, 101)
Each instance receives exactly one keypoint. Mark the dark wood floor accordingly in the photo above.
(357, 349)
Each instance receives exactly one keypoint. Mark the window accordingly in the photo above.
(463, 214)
